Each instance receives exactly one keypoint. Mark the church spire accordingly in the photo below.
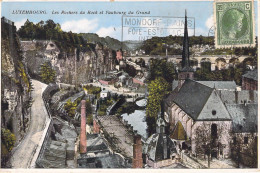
(185, 52)
(186, 72)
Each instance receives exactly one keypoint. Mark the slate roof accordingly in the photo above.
(251, 75)
(110, 161)
(96, 143)
(191, 97)
(220, 85)
(232, 97)
(244, 117)
(154, 146)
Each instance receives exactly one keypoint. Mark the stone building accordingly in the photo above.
(159, 149)
(203, 116)
(249, 80)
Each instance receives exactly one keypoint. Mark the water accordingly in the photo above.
(137, 120)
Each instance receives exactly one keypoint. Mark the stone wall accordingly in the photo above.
(16, 84)
(76, 67)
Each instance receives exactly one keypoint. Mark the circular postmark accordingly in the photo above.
(234, 23)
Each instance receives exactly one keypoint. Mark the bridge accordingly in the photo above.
(219, 61)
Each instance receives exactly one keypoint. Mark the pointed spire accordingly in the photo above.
(185, 52)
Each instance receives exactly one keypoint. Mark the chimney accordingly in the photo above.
(137, 151)
(83, 137)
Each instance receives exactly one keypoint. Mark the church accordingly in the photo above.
(203, 116)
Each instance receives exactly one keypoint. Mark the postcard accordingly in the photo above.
(147, 85)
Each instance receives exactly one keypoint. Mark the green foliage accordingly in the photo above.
(7, 138)
(92, 89)
(103, 105)
(229, 74)
(156, 45)
(24, 76)
(47, 74)
(49, 30)
(127, 107)
(71, 107)
(162, 68)
(158, 88)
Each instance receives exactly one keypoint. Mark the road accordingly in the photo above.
(25, 150)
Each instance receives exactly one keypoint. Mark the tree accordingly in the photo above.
(7, 138)
(47, 74)
(70, 107)
(162, 68)
(158, 88)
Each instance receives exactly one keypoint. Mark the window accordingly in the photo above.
(214, 112)
(245, 140)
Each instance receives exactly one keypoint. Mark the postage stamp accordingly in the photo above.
(234, 23)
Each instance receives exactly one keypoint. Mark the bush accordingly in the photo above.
(8, 138)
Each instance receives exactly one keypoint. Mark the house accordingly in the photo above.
(249, 80)
(104, 94)
(244, 133)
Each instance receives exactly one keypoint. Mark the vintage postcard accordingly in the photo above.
(147, 85)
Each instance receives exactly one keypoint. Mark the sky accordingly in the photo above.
(111, 24)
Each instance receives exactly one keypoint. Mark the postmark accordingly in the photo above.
(234, 23)
(145, 27)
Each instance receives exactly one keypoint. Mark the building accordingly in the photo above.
(204, 116)
(159, 149)
(93, 150)
(104, 94)
(249, 80)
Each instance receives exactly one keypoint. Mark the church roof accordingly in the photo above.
(220, 85)
(154, 147)
(179, 132)
(191, 97)
(252, 75)
(244, 117)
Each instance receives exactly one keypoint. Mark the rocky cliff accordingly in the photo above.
(90, 61)
(16, 85)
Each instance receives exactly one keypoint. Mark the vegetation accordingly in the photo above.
(158, 88)
(232, 73)
(7, 139)
(162, 68)
(24, 76)
(103, 105)
(47, 74)
(156, 45)
(130, 70)
(49, 30)
(92, 89)
(71, 107)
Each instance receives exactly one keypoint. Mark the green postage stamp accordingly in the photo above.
(234, 22)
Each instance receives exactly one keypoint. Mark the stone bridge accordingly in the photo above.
(219, 61)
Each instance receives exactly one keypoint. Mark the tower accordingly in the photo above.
(186, 72)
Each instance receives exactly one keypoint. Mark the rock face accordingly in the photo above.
(16, 85)
(90, 62)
